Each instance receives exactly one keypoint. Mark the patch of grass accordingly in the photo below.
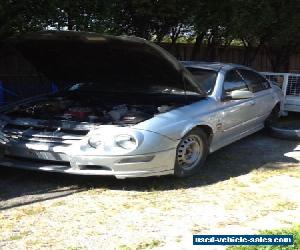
(285, 205)
(295, 231)
(294, 173)
(28, 211)
(6, 225)
(91, 211)
(178, 238)
(15, 237)
(237, 183)
(18, 236)
(58, 203)
(124, 247)
(96, 191)
(128, 205)
(258, 176)
(30, 243)
(287, 222)
(149, 244)
(243, 199)
(198, 229)
(152, 244)
(33, 210)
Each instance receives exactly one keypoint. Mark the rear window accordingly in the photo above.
(255, 81)
(205, 78)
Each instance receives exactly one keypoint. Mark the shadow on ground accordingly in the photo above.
(18, 187)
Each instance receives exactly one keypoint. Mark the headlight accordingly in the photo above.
(126, 141)
(96, 141)
(115, 140)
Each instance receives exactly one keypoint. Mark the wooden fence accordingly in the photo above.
(230, 55)
(18, 79)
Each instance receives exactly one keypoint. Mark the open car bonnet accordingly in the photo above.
(113, 63)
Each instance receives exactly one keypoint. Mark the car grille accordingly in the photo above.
(28, 134)
(293, 86)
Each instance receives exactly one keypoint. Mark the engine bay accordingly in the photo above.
(92, 109)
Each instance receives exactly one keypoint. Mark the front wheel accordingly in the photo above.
(191, 153)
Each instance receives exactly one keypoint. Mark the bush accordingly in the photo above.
(295, 230)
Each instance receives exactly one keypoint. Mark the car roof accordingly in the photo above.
(216, 66)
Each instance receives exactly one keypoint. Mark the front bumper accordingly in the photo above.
(154, 164)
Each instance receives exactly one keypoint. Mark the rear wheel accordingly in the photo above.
(287, 127)
(274, 116)
(191, 153)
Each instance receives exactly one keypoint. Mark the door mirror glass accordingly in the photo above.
(241, 94)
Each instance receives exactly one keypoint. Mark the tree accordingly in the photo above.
(151, 19)
(282, 38)
(211, 21)
(79, 15)
(249, 24)
(5, 20)
(17, 16)
(269, 24)
(260, 25)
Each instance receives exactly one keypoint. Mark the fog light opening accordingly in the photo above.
(147, 158)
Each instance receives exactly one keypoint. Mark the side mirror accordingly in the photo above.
(241, 94)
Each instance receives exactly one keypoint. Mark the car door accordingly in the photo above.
(236, 114)
(261, 89)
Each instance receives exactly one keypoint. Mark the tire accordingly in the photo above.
(273, 117)
(191, 153)
(285, 127)
(284, 133)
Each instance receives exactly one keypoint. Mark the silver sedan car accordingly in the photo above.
(132, 109)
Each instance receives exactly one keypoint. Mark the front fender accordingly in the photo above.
(191, 126)
(177, 130)
(176, 123)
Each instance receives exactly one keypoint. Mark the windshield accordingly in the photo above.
(205, 78)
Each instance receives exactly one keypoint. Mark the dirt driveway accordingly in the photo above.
(250, 185)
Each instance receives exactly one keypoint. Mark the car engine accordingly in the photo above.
(89, 111)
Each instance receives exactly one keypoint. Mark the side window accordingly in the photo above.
(233, 81)
(255, 81)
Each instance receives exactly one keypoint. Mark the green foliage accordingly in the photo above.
(272, 25)
(149, 18)
(295, 231)
(80, 15)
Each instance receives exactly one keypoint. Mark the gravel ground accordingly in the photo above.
(250, 185)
